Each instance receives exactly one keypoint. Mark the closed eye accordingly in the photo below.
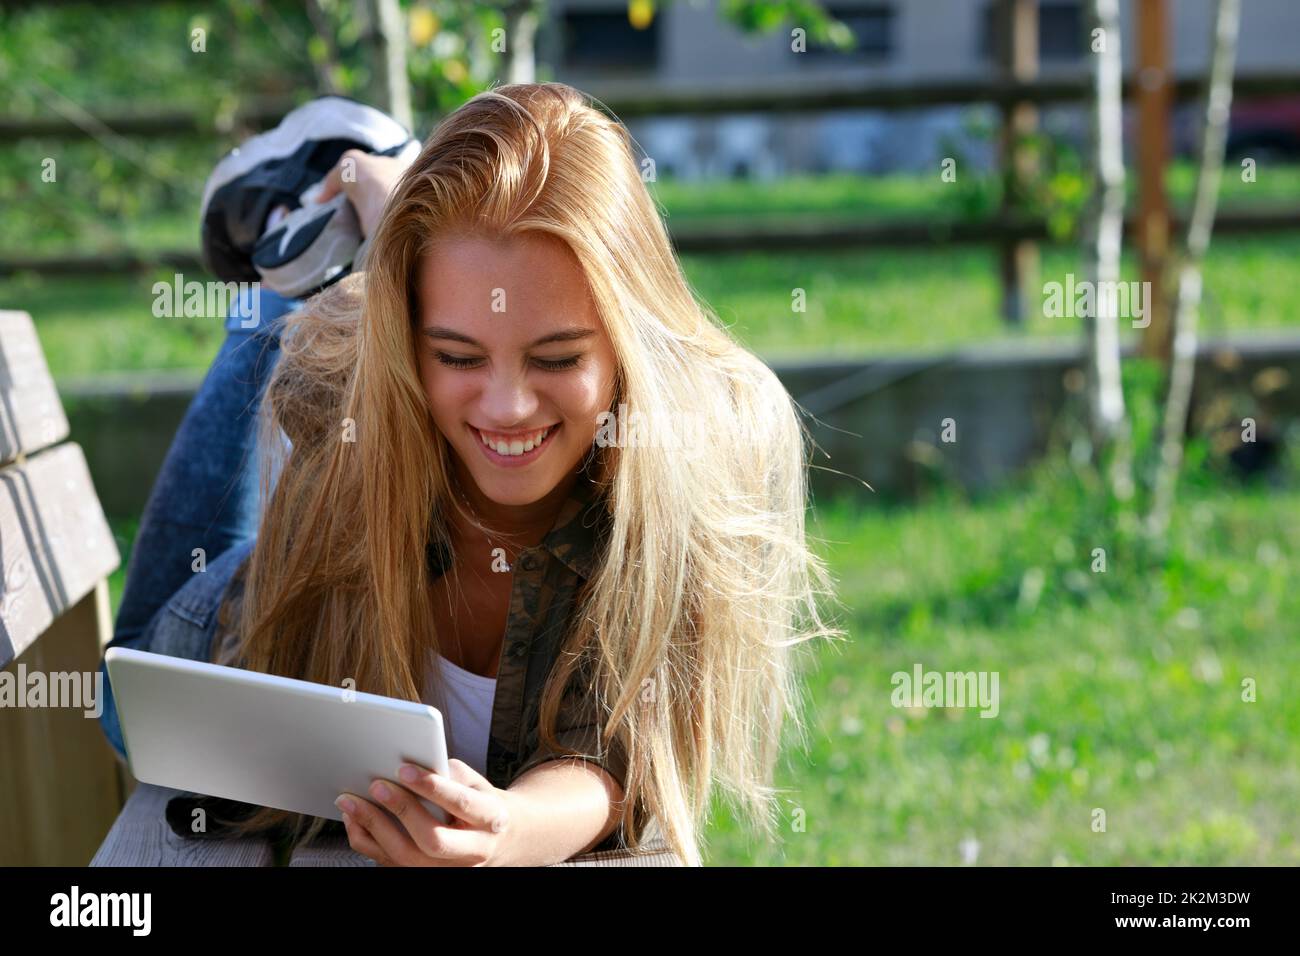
(464, 362)
(456, 361)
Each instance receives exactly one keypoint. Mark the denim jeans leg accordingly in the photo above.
(206, 493)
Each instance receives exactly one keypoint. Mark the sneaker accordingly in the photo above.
(313, 244)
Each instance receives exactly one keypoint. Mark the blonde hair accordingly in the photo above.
(707, 582)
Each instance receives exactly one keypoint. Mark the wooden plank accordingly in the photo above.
(329, 851)
(59, 792)
(141, 837)
(55, 544)
(31, 415)
(654, 853)
(335, 851)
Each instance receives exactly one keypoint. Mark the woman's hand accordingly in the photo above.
(368, 182)
(478, 830)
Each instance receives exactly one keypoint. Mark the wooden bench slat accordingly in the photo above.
(31, 415)
(55, 544)
(141, 837)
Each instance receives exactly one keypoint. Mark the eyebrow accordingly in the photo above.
(564, 335)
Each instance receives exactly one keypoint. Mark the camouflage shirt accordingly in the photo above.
(546, 580)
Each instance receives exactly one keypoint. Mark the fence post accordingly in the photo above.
(1016, 29)
(1152, 233)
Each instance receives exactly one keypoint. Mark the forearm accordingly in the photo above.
(558, 810)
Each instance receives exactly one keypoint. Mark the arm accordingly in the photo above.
(560, 809)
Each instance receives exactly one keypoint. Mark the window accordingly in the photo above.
(605, 40)
(1060, 31)
(873, 31)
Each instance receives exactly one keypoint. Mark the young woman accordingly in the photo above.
(529, 479)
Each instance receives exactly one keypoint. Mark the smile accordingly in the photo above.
(515, 449)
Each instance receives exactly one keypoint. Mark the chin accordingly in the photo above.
(514, 490)
(515, 493)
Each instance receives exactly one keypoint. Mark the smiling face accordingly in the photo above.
(515, 361)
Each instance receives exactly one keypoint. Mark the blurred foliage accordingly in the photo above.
(765, 16)
(1057, 191)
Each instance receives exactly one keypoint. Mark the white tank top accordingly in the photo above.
(467, 716)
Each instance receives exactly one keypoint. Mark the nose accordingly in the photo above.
(507, 400)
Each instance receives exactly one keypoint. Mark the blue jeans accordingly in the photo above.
(205, 496)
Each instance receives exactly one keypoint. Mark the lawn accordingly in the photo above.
(1119, 691)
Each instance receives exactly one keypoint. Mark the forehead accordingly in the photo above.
(531, 280)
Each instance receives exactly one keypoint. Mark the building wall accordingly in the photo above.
(933, 40)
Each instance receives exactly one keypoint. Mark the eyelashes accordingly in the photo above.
(549, 365)
(452, 361)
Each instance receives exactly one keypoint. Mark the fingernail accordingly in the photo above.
(382, 792)
(408, 773)
(346, 805)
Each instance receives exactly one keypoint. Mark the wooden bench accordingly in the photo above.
(61, 784)
(142, 837)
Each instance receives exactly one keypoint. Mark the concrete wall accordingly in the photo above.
(933, 39)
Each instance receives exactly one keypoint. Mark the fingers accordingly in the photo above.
(363, 842)
(462, 772)
(434, 839)
(481, 810)
(334, 178)
(392, 842)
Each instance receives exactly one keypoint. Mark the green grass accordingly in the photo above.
(1128, 701)
(1119, 691)
(903, 195)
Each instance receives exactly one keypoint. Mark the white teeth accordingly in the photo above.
(516, 446)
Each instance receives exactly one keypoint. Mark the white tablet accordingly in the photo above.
(265, 740)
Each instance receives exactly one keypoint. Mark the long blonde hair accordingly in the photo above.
(707, 582)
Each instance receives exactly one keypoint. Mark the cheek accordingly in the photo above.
(586, 395)
(446, 394)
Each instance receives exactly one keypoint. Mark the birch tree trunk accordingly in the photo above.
(521, 42)
(385, 32)
(1187, 302)
(1103, 237)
